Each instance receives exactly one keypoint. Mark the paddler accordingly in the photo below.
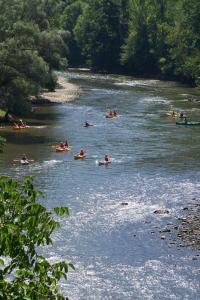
(24, 158)
(66, 144)
(114, 113)
(21, 123)
(87, 124)
(82, 152)
(62, 145)
(106, 158)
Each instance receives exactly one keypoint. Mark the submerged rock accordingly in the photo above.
(124, 203)
(161, 211)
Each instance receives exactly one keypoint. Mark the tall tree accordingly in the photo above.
(68, 20)
(184, 41)
(98, 34)
(145, 50)
(30, 46)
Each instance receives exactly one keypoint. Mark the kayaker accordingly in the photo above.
(114, 113)
(21, 123)
(173, 114)
(62, 145)
(87, 124)
(66, 144)
(82, 152)
(106, 158)
(24, 157)
(181, 114)
(110, 113)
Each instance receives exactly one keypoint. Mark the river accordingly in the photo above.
(117, 249)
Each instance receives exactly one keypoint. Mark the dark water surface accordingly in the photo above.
(117, 250)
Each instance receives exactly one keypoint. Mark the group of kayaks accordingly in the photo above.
(64, 147)
(182, 119)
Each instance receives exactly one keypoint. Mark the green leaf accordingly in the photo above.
(2, 262)
(61, 211)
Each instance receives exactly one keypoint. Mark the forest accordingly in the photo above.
(149, 38)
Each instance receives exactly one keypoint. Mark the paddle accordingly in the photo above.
(18, 160)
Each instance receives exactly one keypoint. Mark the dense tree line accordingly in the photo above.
(138, 37)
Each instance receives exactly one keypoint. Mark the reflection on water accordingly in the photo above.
(117, 248)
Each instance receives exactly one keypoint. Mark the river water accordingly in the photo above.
(117, 249)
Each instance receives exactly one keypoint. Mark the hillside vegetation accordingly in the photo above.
(152, 38)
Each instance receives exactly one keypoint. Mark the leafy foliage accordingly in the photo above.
(26, 225)
(142, 37)
(98, 33)
(31, 45)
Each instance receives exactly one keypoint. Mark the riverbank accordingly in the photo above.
(184, 231)
(64, 92)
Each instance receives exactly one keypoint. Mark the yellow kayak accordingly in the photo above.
(170, 114)
(175, 115)
(78, 156)
(62, 149)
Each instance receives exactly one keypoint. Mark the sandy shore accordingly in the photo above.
(64, 92)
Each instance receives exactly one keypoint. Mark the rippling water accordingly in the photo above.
(117, 249)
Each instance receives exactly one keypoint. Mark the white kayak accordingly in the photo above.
(104, 163)
(24, 162)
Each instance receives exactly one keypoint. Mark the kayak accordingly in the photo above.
(86, 126)
(24, 162)
(176, 115)
(78, 156)
(58, 146)
(190, 123)
(171, 115)
(62, 149)
(110, 117)
(104, 163)
(20, 127)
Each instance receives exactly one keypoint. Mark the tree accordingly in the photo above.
(184, 41)
(97, 32)
(146, 49)
(31, 46)
(26, 225)
(68, 20)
